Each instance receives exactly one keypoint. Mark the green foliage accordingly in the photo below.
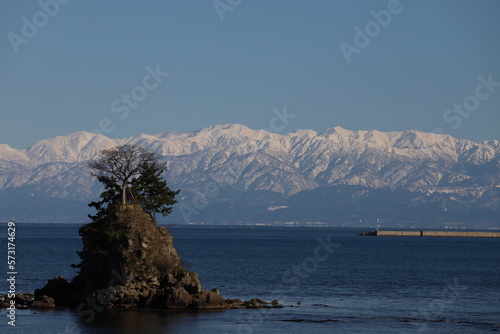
(181, 270)
(106, 242)
(110, 199)
(131, 170)
(152, 192)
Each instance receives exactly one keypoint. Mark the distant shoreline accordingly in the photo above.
(461, 234)
(266, 225)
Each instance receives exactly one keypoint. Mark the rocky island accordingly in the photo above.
(128, 260)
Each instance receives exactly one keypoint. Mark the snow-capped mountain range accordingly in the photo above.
(232, 156)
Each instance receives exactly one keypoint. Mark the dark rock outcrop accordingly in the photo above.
(58, 288)
(43, 302)
(27, 300)
(127, 262)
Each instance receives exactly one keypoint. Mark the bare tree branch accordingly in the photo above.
(123, 163)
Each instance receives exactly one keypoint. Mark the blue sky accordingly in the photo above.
(264, 54)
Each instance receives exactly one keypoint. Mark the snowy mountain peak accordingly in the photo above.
(77, 146)
(224, 128)
(337, 130)
(459, 173)
(11, 154)
(305, 133)
(259, 160)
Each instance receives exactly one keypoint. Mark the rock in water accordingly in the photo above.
(57, 288)
(128, 261)
(126, 248)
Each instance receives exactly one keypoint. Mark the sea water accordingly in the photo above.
(327, 279)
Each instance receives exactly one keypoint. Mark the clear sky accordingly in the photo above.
(82, 65)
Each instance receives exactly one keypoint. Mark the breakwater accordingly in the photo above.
(462, 234)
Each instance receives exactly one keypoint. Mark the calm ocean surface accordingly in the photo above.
(366, 284)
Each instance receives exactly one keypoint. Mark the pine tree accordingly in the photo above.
(110, 198)
(151, 191)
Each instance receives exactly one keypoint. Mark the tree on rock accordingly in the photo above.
(151, 190)
(131, 174)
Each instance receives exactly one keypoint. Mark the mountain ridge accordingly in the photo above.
(248, 160)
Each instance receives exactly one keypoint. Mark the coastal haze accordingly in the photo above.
(232, 174)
